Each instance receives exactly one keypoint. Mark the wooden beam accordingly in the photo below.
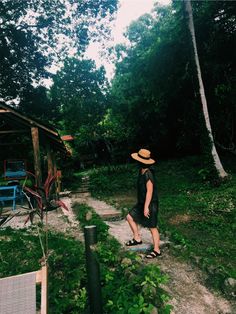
(44, 290)
(19, 119)
(13, 131)
(4, 111)
(30, 121)
(37, 163)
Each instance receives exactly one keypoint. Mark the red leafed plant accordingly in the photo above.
(40, 199)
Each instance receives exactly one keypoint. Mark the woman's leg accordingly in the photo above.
(134, 227)
(156, 239)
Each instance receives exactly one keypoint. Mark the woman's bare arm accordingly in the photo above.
(149, 186)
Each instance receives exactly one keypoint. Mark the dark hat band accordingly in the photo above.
(146, 158)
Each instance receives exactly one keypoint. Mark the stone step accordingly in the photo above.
(82, 190)
(79, 194)
(85, 178)
(108, 215)
(105, 211)
(147, 246)
(84, 184)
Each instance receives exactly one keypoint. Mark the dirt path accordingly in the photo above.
(186, 283)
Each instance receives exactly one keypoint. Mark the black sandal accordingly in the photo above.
(153, 254)
(133, 242)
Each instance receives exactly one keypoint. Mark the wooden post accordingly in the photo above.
(37, 164)
(57, 182)
(50, 160)
(54, 163)
(44, 290)
(93, 270)
(42, 278)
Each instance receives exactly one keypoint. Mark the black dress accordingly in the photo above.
(137, 212)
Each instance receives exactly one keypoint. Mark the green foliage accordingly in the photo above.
(67, 264)
(71, 180)
(121, 176)
(80, 89)
(208, 230)
(36, 35)
(146, 93)
(87, 217)
(20, 252)
(155, 91)
(135, 288)
(128, 286)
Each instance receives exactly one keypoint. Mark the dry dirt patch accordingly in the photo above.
(178, 219)
(59, 220)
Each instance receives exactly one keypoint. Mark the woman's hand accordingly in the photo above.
(146, 212)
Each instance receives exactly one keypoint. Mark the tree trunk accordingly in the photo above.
(215, 156)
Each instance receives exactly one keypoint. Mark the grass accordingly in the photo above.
(20, 252)
(197, 215)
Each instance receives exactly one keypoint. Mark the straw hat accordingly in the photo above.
(143, 156)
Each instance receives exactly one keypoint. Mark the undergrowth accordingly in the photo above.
(128, 286)
(198, 215)
(20, 252)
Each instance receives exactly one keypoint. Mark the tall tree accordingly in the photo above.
(80, 89)
(155, 88)
(39, 34)
(214, 153)
(152, 82)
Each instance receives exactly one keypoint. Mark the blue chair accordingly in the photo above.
(11, 193)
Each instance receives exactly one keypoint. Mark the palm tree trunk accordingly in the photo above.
(215, 156)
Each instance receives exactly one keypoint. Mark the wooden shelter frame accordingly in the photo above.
(20, 123)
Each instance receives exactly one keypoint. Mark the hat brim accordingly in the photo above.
(142, 160)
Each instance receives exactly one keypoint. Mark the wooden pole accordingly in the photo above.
(54, 162)
(93, 271)
(49, 160)
(37, 163)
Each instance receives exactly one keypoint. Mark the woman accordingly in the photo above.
(146, 210)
